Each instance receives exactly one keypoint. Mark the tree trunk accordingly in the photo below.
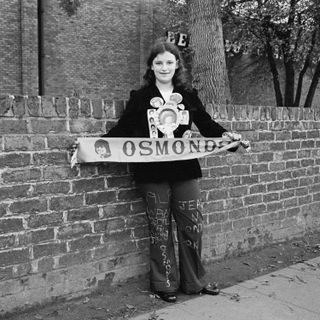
(209, 70)
(275, 75)
(306, 65)
(313, 87)
(289, 85)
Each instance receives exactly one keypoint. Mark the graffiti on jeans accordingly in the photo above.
(190, 205)
(195, 226)
(159, 219)
(166, 263)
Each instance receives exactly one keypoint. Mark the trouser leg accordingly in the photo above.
(163, 267)
(186, 206)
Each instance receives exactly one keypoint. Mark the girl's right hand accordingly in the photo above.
(72, 149)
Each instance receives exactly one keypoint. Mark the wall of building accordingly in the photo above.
(10, 48)
(66, 232)
(100, 51)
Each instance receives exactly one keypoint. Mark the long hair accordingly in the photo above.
(180, 78)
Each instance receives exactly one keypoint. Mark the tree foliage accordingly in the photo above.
(287, 32)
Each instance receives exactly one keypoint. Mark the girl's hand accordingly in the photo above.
(232, 135)
(72, 149)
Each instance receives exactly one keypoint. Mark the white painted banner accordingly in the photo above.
(147, 149)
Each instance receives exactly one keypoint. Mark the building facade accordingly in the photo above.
(97, 50)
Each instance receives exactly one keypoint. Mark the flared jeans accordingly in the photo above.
(182, 201)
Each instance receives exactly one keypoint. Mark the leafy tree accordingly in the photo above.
(285, 29)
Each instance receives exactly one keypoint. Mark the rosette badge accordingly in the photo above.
(167, 116)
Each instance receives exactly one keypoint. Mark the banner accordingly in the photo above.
(147, 149)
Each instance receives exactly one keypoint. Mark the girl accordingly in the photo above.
(170, 188)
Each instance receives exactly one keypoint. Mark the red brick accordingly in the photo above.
(47, 109)
(128, 194)
(218, 217)
(60, 105)
(260, 167)
(274, 206)
(12, 257)
(51, 188)
(5, 105)
(120, 182)
(253, 199)
(23, 143)
(257, 209)
(85, 107)
(45, 220)
(86, 126)
(23, 175)
(85, 243)
(136, 220)
(73, 231)
(42, 126)
(114, 248)
(213, 206)
(116, 209)
(3, 209)
(28, 206)
(13, 126)
(45, 264)
(111, 168)
(66, 202)
(59, 173)
(101, 197)
(257, 188)
(48, 249)
(293, 202)
(33, 106)
(97, 108)
(50, 158)
(109, 225)
(293, 145)
(8, 225)
(238, 191)
(237, 214)
(233, 203)
(93, 184)
(6, 273)
(7, 241)
(275, 186)
(14, 160)
(85, 213)
(71, 259)
(220, 172)
(14, 192)
(74, 107)
(36, 236)
(242, 223)
(61, 142)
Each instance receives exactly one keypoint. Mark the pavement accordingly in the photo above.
(291, 293)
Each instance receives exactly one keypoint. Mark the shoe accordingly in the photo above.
(167, 296)
(210, 288)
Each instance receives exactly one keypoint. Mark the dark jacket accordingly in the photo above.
(133, 123)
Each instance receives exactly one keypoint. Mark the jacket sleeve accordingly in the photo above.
(128, 120)
(203, 121)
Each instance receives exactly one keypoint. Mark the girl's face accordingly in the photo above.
(164, 66)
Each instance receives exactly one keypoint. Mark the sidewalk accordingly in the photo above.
(291, 293)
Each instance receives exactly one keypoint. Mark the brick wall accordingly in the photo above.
(66, 232)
